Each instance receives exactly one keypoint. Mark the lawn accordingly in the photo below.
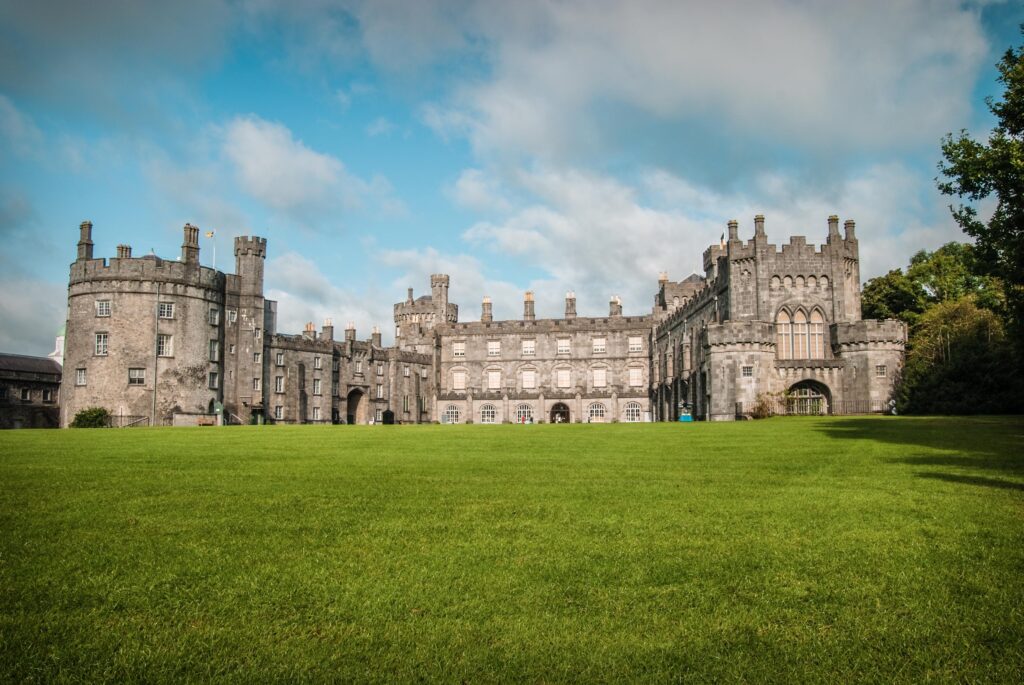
(786, 550)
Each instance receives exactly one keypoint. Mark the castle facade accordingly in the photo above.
(159, 341)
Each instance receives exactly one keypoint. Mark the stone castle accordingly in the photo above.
(160, 341)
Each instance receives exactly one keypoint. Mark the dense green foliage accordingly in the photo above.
(959, 358)
(975, 171)
(787, 550)
(93, 417)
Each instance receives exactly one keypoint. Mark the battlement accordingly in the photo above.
(148, 268)
(438, 280)
(251, 245)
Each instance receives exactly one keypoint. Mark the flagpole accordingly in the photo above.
(209, 234)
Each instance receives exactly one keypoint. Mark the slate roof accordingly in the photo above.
(25, 364)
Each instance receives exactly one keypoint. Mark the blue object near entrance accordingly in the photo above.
(686, 418)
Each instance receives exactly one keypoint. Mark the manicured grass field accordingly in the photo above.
(787, 550)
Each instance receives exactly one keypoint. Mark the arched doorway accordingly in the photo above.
(560, 413)
(808, 398)
(356, 412)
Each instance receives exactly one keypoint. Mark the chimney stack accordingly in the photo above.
(309, 333)
(124, 251)
(375, 337)
(85, 240)
(528, 311)
(408, 299)
(190, 246)
(570, 305)
(850, 226)
(486, 314)
(833, 228)
(350, 332)
(615, 306)
(734, 230)
(759, 226)
(327, 332)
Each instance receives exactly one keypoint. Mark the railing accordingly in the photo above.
(807, 406)
(124, 421)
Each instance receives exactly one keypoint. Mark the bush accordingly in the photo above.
(764, 406)
(93, 417)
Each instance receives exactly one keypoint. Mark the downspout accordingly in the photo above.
(156, 348)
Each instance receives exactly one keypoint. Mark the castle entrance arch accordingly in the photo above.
(809, 398)
(356, 407)
(560, 413)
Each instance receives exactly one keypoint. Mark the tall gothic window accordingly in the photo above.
(800, 335)
(784, 332)
(817, 350)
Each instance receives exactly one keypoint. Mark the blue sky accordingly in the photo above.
(550, 146)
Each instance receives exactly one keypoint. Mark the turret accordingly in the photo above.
(486, 313)
(528, 311)
(190, 245)
(250, 255)
(570, 305)
(833, 229)
(849, 227)
(615, 306)
(439, 295)
(734, 230)
(759, 233)
(85, 240)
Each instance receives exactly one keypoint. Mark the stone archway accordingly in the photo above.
(560, 413)
(357, 407)
(808, 397)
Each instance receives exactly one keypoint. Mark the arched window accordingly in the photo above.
(451, 414)
(775, 282)
(799, 281)
(675, 302)
(596, 412)
(524, 414)
(800, 335)
(633, 412)
(824, 281)
(812, 282)
(784, 336)
(488, 414)
(817, 335)
(787, 281)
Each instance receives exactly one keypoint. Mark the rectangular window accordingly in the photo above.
(278, 412)
(231, 348)
(493, 348)
(26, 394)
(748, 371)
(214, 350)
(102, 307)
(79, 376)
(458, 349)
(256, 357)
(214, 380)
(380, 390)
(47, 395)
(317, 363)
(636, 376)
(278, 383)
(563, 346)
(635, 343)
(405, 371)
(405, 403)
(256, 384)
(164, 345)
(232, 316)
(101, 344)
(165, 310)
(423, 374)
(380, 369)
(316, 413)
(880, 371)
(214, 316)
(494, 380)
(316, 386)
(600, 378)
(256, 333)
(529, 348)
(398, 331)
(599, 345)
(378, 416)
(136, 376)
(458, 380)
(562, 378)
(529, 379)
(359, 366)
(280, 359)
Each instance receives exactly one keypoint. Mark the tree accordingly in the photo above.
(975, 171)
(893, 296)
(93, 417)
(951, 272)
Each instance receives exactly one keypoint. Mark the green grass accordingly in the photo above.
(788, 550)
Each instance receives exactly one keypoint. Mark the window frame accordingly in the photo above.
(165, 310)
(103, 309)
(136, 376)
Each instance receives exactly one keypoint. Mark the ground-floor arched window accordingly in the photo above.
(596, 412)
(451, 414)
(524, 414)
(488, 414)
(807, 397)
(633, 412)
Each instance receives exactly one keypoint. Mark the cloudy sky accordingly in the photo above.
(514, 145)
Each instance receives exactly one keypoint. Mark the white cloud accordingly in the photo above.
(18, 130)
(479, 192)
(380, 126)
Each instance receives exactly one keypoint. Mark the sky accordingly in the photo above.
(529, 145)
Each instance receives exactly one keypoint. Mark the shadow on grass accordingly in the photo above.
(961, 444)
